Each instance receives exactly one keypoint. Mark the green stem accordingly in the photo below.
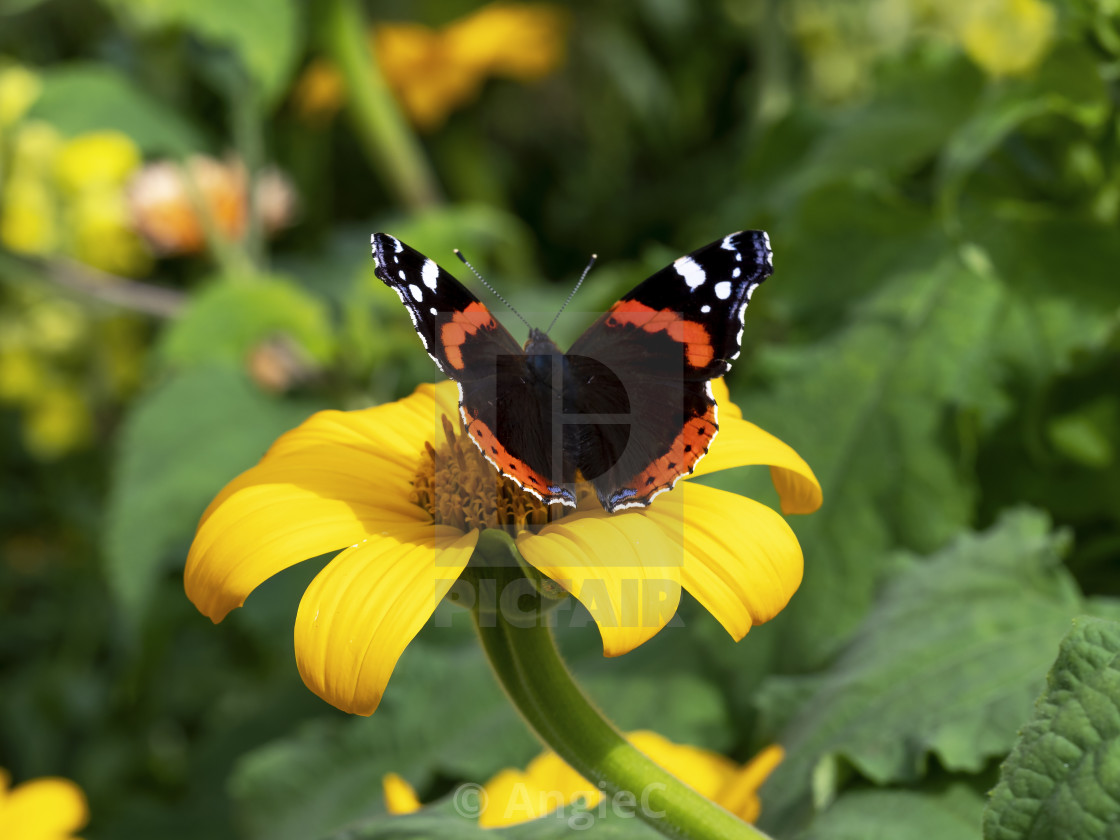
(523, 654)
(390, 144)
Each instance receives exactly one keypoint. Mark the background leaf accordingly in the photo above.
(81, 97)
(227, 320)
(947, 663)
(1062, 779)
(226, 425)
(265, 34)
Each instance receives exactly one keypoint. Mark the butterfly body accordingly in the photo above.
(627, 408)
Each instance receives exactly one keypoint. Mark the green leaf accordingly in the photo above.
(1039, 251)
(1067, 84)
(77, 98)
(266, 34)
(866, 409)
(948, 662)
(182, 442)
(1062, 780)
(902, 128)
(228, 319)
(949, 814)
(1087, 435)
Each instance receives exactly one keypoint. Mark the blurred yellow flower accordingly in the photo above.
(548, 783)
(28, 223)
(57, 422)
(41, 809)
(164, 201)
(434, 71)
(1006, 37)
(95, 160)
(20, 373)
(19, 88)
(400, 798)
(99, 232)
(67, 197)
(59, 363)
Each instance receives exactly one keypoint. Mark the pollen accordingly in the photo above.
(459, 487)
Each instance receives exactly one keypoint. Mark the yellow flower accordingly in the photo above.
(56, 421)
(400, 798)
(20, 373)
(19, 88)
(434, 71)
(96, 160)
(28, 223)
(548, 783)
(41, 809)
(69, 197)
(406, 495)
(1006, 37)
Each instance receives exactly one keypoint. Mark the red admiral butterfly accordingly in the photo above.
(631, 400)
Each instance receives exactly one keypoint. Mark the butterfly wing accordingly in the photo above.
(654, 418)
(504, 415)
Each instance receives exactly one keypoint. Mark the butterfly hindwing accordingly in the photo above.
(664, 341)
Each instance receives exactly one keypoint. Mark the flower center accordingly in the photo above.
(459, 487)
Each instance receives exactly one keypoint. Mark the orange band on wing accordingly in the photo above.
(485, 439)
(687, 448)
(462, 324)
(698, 349)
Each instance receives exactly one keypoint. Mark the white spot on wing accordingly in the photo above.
(401, 274)
(723, 289)
(416, 291)
(397, 245)
(433, 310)
(736, 272)
(705, 309)
(691, 271)
(429, 273)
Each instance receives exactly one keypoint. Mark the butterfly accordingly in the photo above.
(628, 408)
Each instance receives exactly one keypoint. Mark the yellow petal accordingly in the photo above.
(740, 794)
(741, 560)
(723, 399)
(621, 567)
(400, 796)
(740, 443)
(43, 809)
(397, 429)
(705, 771)
(366, 605)
(331, 482)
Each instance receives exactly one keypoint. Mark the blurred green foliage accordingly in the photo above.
(939, 341)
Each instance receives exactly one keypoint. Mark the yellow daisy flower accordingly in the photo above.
(41, 809)
(548, 783)
(406, 496)
(432, 72)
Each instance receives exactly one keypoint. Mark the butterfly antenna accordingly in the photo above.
(494, 291)
(572, 293)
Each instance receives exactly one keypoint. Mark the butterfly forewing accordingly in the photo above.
(458, 331)
(664, 341)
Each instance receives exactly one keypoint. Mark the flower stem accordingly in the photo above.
(389, 142)
(523, 653)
